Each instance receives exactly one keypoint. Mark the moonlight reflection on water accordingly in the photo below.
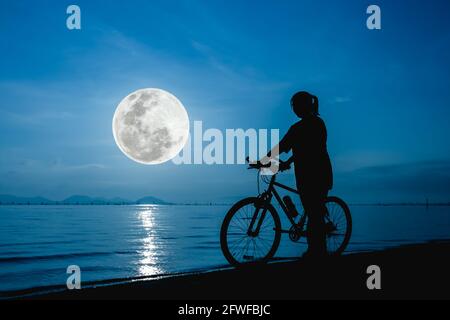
(148, 263)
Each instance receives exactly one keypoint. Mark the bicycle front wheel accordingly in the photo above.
(238, 246)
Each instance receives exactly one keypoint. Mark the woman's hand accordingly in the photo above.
(283, 166)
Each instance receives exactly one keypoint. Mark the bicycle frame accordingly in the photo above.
(266, 197)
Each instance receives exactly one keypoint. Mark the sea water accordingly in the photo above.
(38, 243)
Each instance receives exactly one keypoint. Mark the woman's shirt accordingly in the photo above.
(308, 141)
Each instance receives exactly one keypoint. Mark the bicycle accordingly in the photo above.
(250, 235)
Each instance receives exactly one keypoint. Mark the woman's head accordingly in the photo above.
(304, 104)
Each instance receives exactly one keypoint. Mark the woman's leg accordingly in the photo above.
(314, 204)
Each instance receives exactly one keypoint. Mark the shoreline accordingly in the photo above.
(430, 205)
(417, 271)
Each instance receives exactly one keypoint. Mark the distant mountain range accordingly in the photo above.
(6, 199)
(79, 200)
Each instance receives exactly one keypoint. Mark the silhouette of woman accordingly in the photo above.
(308, 141)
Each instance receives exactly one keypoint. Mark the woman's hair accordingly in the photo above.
(303, 102)
(315, 105)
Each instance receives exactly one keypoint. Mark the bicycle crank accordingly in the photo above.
(295, 233)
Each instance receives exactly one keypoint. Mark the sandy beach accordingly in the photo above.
(407, 272)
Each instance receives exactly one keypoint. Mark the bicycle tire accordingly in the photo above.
(226, 224)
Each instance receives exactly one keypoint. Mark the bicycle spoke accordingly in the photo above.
(241, 220)
(237, 243)
(257, 251)
(239, 227)
(266, 244)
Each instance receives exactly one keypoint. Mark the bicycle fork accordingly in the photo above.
(263, 202)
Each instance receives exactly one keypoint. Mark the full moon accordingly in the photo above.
(150, 126)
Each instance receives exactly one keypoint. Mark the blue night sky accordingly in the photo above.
(234, 64)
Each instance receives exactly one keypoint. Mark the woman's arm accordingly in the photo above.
(272, 154)
(284, 146)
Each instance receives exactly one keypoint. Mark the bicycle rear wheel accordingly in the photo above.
(338, 224)
(237, 245)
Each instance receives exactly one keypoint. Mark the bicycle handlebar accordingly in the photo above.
(258, 165)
